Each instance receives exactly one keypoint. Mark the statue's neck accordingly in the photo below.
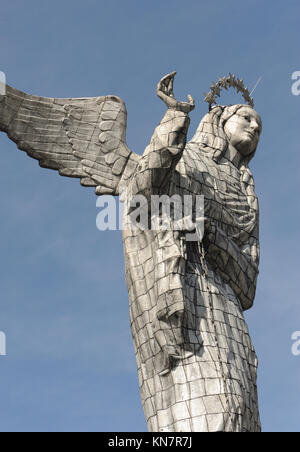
(233, 156)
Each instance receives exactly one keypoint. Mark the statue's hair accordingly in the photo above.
(210, 136)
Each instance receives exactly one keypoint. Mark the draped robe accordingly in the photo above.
(196, 362)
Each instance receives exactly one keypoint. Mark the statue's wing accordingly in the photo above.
(84, 138)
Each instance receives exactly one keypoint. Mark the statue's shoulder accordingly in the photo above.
(197, 162)
(193, 171)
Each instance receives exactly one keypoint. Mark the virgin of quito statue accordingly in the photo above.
(196, 362)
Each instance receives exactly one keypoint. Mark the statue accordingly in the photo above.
(196, 362)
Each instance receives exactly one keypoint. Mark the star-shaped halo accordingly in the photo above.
(225, 83)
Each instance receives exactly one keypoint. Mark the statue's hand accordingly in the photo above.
(165, 92)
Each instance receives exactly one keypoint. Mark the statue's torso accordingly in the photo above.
(220, 183)
(150, 271)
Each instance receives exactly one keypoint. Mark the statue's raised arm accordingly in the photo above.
(84, 138)
(167, 143)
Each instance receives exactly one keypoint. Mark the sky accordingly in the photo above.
(70, 363)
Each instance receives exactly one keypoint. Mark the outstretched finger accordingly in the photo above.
(191, 100)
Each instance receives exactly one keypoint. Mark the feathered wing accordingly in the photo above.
(84, 138)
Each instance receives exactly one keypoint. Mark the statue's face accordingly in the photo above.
(243, 130)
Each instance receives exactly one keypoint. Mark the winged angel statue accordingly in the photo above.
(196, 362)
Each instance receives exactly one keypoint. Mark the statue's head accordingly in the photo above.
(239, 125)
(243, 130)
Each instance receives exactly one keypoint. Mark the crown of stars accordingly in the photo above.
(224, 83)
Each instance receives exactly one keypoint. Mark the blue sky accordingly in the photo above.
(64, 304)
